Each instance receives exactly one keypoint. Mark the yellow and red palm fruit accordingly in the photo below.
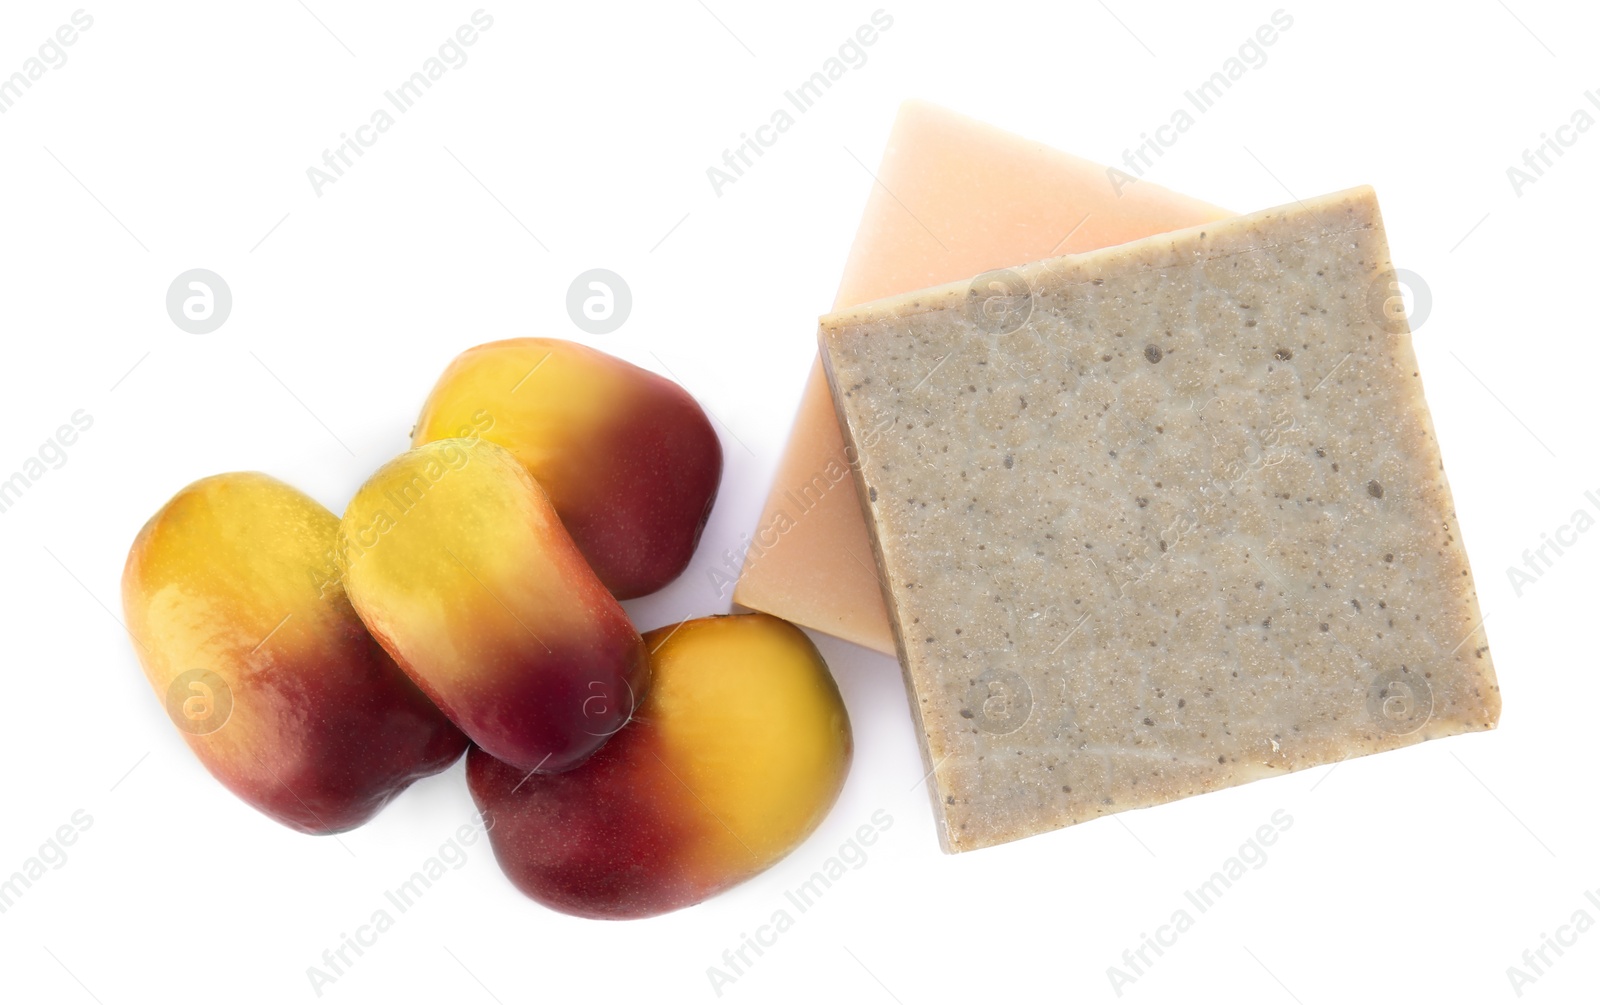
(629, 459)
(734, 757)
(460, 567)
(245, 633)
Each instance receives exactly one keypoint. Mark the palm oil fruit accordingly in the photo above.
(458, 564)
(628, 458)
(244, 632)
(733, 758)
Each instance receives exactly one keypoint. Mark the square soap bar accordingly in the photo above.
(953, 198)
(1159, 519)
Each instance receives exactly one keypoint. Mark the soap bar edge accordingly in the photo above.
(858, 478)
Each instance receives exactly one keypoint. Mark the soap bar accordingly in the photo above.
(1160, 519)
(953, 198)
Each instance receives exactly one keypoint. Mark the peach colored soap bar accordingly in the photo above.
(954, 198)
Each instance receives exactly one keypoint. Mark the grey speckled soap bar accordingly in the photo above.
(1160, 519)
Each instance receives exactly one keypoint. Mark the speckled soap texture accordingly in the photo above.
(1160, 519)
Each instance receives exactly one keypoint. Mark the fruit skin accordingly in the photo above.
(629, 459)
(459, 566)
(734, 757)
(310, 721)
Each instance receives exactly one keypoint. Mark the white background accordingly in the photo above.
(178, 136)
